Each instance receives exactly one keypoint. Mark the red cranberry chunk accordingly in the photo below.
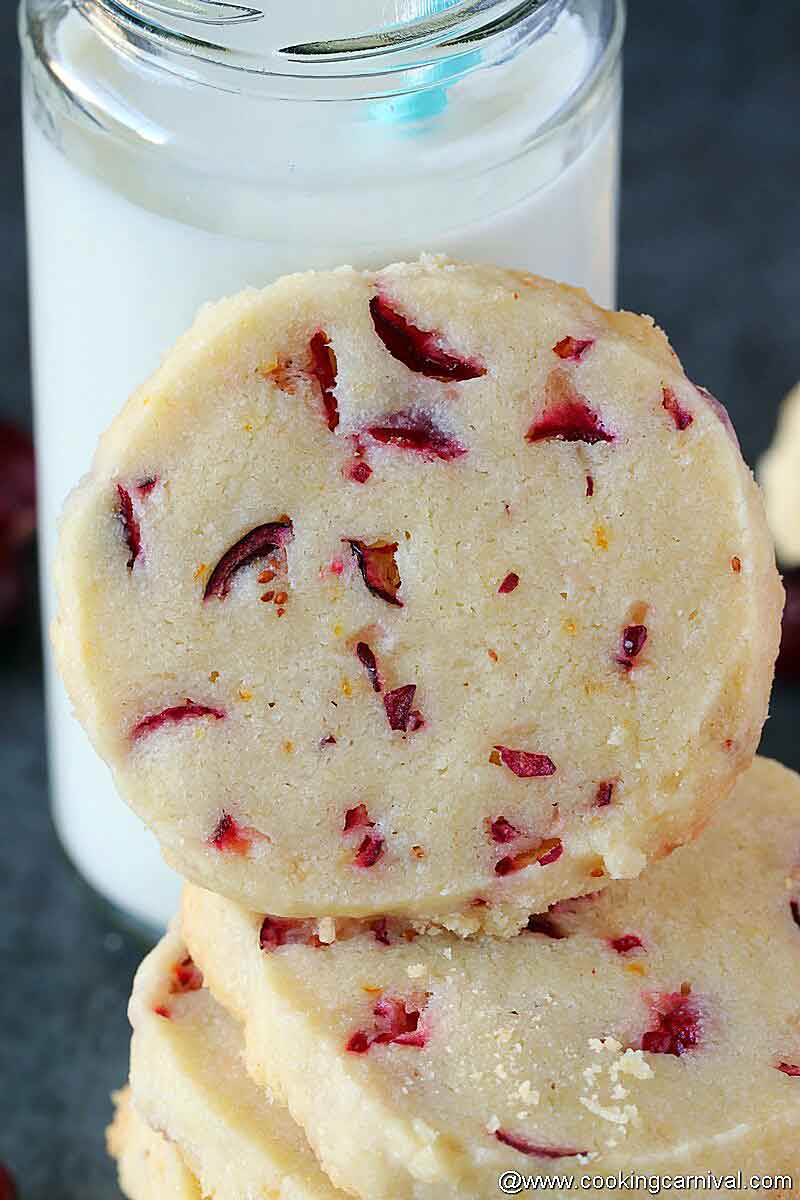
(162, 1011)
(788, 664)
(416, 432)
(567, 415)
(229, 837)
(547, 852)
(174, 716)
(187, 976)
(589, 486)
(605, 793)
(370, 850)
(677, 1025)
(526, 765)
(357, 471)
(546, 926)
(573, 349)
(131, 529)
(631, 645)
(357, 818)
(790, 1069)
(370, 664)
(145, 486)
(286, 931)
(380, 927)
(525, 1146)
(399, 712)
(680, 416)
(358, 1043)
(257, 544)
(418, 349)
(510, 582)
(397, 1022)
(378, 568)
(324, 369)
(794, 908)
(502, 831)
(626, 943)
(17, 487)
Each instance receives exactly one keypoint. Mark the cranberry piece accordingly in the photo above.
(257, 544)
(418, 349)
(162, 1011)
(187, 977)
(174, 716)
(547, 852)
(546, 926)
(380, 927)
(370, 664)
(788, 664)
(397, 1022)
(589, 486)
(626, 943)
(417, 432)
(131, 529)
(509, 583)
(631, 645)
(789, 1069)
(502, 831)
(286, 931)
(324, 369)
(573, 349)
(370, 851)
(330, 740)
(670, 402)
(378, 568)
(399, 712)
(525, 1146)
(145, 486)
(677, 1026)
(605, 793)
(8, 1188)
(357, 818)
(567, 415)
(794, 907)
(17, 487)
(229, 837)
(357, 471)
(526, 765)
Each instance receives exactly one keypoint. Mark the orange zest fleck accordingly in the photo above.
(601, 538)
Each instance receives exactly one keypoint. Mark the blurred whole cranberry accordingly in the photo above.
(788, 665)
(8, 1189)
(17, 522)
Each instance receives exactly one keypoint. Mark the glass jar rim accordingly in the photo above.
(202, 41)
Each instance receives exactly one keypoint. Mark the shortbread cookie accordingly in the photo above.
(779, 471)
(188, 1080)
(654, 1026)
(438, 592)
(149, 1167)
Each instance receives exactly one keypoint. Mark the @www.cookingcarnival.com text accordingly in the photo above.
(515, 1183)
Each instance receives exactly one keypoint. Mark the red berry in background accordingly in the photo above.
(788, 664)
(8, 1189)
(17, 487)
(17, 516)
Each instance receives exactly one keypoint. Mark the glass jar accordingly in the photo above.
(178, 150)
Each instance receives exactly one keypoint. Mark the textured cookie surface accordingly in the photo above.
(654, 1026)
(779, 471)
(149, 1167)
(188, 1080)
(438, 592)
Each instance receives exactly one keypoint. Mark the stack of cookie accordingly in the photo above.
(419, 614)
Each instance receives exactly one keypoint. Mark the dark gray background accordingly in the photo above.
(710, 247)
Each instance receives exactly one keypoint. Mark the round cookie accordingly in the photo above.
(188, 1080)
(438, 592)
(779, 472)
(653, 1027)
(149, 1166)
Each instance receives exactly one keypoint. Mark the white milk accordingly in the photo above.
(115, 278)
